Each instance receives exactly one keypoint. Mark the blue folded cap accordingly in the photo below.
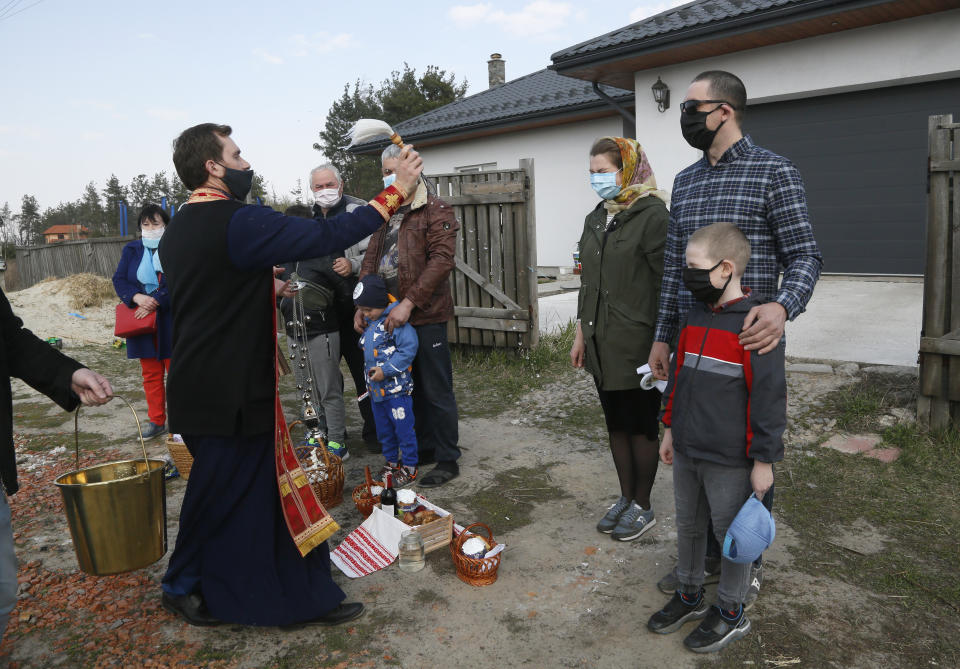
(750, 533)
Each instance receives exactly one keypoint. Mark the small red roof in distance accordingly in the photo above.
(64, 229)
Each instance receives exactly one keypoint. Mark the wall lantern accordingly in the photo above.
(661, 95)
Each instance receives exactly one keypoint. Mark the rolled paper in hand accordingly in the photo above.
(649, 382)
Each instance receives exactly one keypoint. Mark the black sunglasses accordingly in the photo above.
(690, 106)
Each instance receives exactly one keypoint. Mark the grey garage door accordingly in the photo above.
(863, 157)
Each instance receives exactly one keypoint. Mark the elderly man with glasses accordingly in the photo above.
(762, 193)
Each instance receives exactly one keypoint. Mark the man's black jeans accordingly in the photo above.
(434, 405)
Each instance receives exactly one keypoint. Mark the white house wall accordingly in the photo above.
(908, 51)
(561, 182)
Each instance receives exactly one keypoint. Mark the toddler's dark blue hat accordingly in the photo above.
(371, 291)
(750, 533)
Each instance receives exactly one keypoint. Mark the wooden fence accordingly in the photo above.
(495, 282)
(96, 256)
(939, 400)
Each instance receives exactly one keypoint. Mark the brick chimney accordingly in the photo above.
(497, 68)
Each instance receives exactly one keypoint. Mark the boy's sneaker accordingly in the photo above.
(634, 522)
(756, 580)
(677, 612)
(403, 476)
(338, 449)
(717, 631)
(671, 583)
(609, 521)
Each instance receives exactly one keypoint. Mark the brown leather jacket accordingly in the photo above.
(425, 249)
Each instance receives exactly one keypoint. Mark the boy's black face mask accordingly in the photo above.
(698, 283)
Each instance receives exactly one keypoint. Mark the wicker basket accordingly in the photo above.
(181, 457)
(330, 489)
(475, 571)
(365, 504)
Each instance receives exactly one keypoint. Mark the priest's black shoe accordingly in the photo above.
(346, 612)
(191, 608)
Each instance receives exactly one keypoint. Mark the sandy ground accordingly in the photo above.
(45, 309)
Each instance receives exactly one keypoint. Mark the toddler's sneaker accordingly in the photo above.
(634, 522)
(404, 476)
(389, 468)
(717, 631)
(679, 609)
(612, 517)
(339, 450)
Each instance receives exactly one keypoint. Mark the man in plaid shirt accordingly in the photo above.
(762, 193)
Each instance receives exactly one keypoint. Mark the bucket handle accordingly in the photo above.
(76, 432)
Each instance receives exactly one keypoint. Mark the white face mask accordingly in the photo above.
(327, 197)
(155, 233)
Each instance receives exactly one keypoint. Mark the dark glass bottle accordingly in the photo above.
(388, 498)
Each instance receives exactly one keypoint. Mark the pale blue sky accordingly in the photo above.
(90, 88)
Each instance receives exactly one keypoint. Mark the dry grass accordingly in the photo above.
(88, 290)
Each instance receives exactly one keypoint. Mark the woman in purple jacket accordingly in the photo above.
(140, 284)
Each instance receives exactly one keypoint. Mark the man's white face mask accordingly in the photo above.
(327, 197)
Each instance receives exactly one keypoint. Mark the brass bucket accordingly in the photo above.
(117, 512)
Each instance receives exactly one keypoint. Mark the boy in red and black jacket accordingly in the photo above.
(724, 412)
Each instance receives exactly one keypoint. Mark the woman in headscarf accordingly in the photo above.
(140, 285)
(621, 253)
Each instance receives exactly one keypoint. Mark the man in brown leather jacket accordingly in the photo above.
(414, 253)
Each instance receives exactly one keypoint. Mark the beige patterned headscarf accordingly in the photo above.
(637, 177)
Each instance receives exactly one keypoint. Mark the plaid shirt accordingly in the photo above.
(762, 193)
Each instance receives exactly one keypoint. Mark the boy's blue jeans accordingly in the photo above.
(705, 490)
(394, 419)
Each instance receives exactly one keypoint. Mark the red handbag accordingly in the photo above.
(128, 325)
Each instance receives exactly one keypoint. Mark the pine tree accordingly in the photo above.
(159, 188)
(113, 194)
(10, 232)
(91, 213)
(259, 188)
(139, 194)
(180, 194)
(30, 221)
(297, 193)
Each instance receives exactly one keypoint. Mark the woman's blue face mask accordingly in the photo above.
(605, 184)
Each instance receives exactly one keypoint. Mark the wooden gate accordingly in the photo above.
(939, 400)
(495, 282)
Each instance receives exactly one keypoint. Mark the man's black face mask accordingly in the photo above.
(238, 182)
(693, 125)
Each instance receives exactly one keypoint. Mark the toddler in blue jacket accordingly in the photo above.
(388, 357)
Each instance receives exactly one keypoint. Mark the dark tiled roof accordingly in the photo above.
(540, 94)
(698, 14)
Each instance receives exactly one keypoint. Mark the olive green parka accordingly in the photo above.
(619, 289)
